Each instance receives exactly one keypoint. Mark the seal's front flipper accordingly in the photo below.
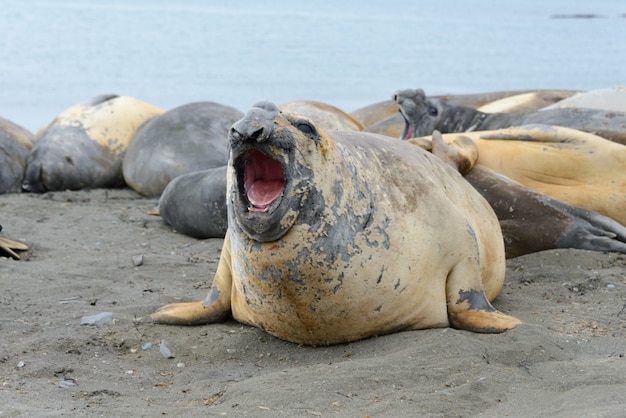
(461, 153)
(216, 306)
(7, 246)
(473, 312)
(190, 313)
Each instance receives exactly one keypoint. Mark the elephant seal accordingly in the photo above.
(383, 117)
(375, 112)
(390, 126)
(607, 99)
(530, 221)
(526, 102)
(324, 115)
(572, 166)
(84, 146)
(194, 204)
(188, 138)
(429, 114)
(15, 144)
(336, 236)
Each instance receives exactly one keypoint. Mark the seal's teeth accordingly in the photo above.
(253, 209)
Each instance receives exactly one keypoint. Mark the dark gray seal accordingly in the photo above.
(194, 204)
(532, 222)
(336, 236)
(189, 138)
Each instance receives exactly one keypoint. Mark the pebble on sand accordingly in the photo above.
(103, 318)
(165, 351)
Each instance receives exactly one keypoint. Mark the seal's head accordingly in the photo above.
(421, 114)
(272, 158)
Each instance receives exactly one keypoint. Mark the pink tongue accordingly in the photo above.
(409, 133)
(261, 192)
(264, 180)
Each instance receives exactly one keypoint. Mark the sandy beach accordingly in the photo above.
(99, 251)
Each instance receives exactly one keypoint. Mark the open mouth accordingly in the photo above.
(263, 180)
(408, 132)
(408, 129)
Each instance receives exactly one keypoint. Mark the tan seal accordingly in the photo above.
(336, 236)
(324, 115)
(15, 145)
(85, 145)
(530, 221)
(575, 167)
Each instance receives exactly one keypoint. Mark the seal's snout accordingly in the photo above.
(247, 129)
(257, 124)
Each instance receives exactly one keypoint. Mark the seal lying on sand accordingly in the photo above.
(188, 138)
(85, 145)
(15, 144)
(575, 167)
(435, 114)
(194, 204)
(338, 236)
(530, 221)
(533, 222)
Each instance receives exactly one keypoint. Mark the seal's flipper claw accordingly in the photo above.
(188, 313)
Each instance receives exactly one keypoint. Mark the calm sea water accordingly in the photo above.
(55, 53)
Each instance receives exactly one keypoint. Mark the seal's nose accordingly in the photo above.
(257, 124)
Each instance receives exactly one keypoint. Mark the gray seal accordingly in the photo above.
(189, 138)
(194, 204)
(429, 114)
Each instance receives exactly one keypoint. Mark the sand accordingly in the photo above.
(566, 360)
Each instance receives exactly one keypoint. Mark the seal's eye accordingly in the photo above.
(432, 110)
(305, 128)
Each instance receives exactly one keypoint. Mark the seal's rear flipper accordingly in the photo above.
(473, 312)
(493, 322)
